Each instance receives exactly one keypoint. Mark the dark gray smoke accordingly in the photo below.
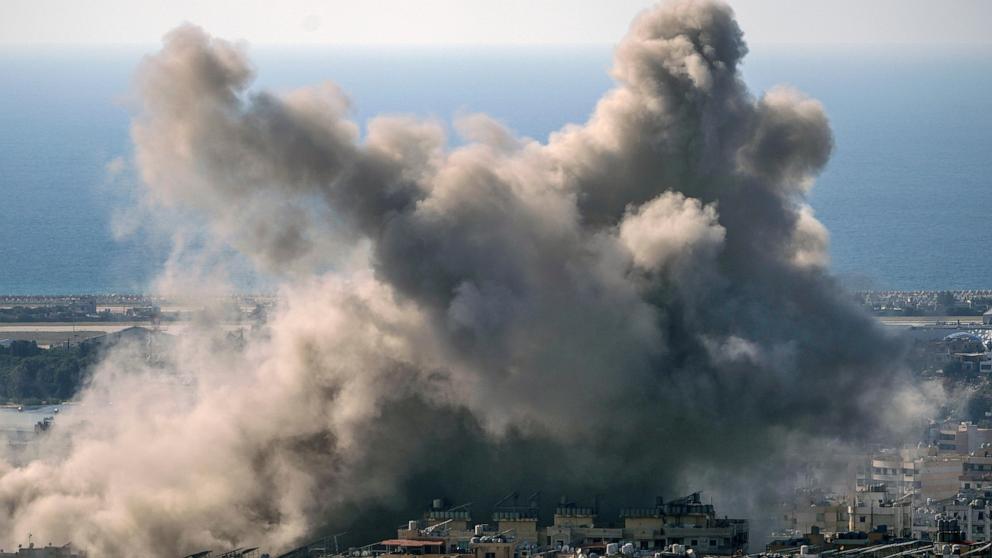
(641, 300)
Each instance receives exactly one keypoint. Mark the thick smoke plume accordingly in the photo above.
(637, 300)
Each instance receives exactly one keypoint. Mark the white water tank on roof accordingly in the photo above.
(804, 550)
(628, 549)
(612, 549)
(411, 525)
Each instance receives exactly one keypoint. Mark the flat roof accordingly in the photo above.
(408, 543)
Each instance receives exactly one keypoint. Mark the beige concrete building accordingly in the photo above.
(574, 526)
(684, 521)
(944, 476)
(873, 509)
(896, 470)
(940, 476)
(522, 526)
(823, 516)
(494, 549)
(962, 438)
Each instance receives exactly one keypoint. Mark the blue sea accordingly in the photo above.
(907, 196)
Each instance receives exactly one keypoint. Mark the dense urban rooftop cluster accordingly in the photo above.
(917, 303)
(684, 526)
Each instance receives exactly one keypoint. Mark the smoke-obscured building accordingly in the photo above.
(897, 471)
(825, 515)
(874, 509)
(48, 551)
(684, 523)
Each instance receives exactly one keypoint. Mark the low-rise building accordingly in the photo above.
(48, 551)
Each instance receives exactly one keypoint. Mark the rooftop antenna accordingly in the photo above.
(513, 495)
(535, 499)
(324, 550)
(336, 551)
(429, 530)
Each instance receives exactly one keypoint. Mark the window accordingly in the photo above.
(694, 542)
(712, 542)
(861, 519)
(490, 555)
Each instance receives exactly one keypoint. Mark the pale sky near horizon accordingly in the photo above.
(374, 22)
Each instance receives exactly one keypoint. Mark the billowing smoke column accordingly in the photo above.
(639, 298)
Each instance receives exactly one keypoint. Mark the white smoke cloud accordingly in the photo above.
(670, 227)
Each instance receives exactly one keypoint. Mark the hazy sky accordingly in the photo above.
(479, 21)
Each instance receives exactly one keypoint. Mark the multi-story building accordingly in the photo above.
(971, 511)
(930, 472)
(821, 515)
(450, 525)
(897, 470)
(873, 508)
(686, 522)
(575, 525)
(940, 476)
(972, 439)
(976, 474)
(522, 525)
(944, 476)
